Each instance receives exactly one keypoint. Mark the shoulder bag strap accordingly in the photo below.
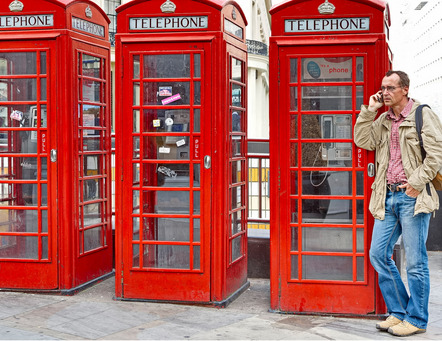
(419, 124)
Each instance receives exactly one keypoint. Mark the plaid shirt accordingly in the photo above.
(396, 173)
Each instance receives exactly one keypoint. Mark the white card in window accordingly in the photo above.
(156, 123)
(164, 150)
(181, 143)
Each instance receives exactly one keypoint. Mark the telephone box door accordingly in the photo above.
(166, 223)
(28, 215)
(324, 224)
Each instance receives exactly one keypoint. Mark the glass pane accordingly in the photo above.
(166, 175)
(236, 71)
(166, 93)
(197, 93)
(327, 126)
(238, 168)
(237, 124)
(43, 89)
(91, 117)
(294, 211)
(19, 116)
(327, 211)
(236, 95)
(196, 120)
(236, 197)
(327, 183)
(359, 183)
(327, 154)
(236, 248)
(329, 69)
(294, 267)
(237, 143)
(92, 239)
(44, 221)
(21, 247)
(293, 126)
(166, 256)
(327, 239)
(91, 91)
(92, 165)
(91, 66)
(135, 228)
(18, 221)
(332, 268)
(196, 202)
(293, 70)
(136, 67)
(135, 255)
(293, 98)
(168, 202)
(136, 173)
(236, 221)
(360, 269)
(176, 120)
(359, 69)
(197, 65)
(92, 214)
(18, 63)
(326, 98)
(196, 230)
(136, 202)
(293, 182)
(171, 147)
(19, 168)
(360, 240)
(197, 257)
(295, 239)
(360, 211)
(17, 194)
(359, 97)
(92, 189)
(167, 66)
(44, 248)
(293, 155)
(93, 143)
(43, 63)
(136, 147)
(44, 194)
(43, 117)
(136, 94)
(166, 229)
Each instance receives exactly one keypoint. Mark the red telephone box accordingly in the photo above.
(181, 151)
(327, 58)
(55, 212)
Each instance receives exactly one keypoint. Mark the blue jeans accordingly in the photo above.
(399, 219)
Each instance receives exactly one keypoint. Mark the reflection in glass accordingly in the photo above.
(236, 197)
(136, 94)
(237, 248)
(197, 93)
(92, 189)
(44, 221)
(237, 167)
(91, 91)
(43, 63)
(293, 126)
(360, 269)
(196, 120)
(197, 65)
(92, 239)
(360, 240)
(359, 69)
(136, 202)
(197, 257)
(18, 63)
(236, 95)
(135, 255)
(294, 267)
(295, 239)
(43, 89)
(236, 223)
(196, 230)
(167, 66)
(327, 183)
(237, 142)
(236, 70)
(135, 228)
(294, 211)
(28, 249)
(326, 98)
(176, 202)
(327, 154)
(332, 268)
(293, 154)
(196, 202)
(92, 165)
(136, 67)
(91, 66)
(92, 214)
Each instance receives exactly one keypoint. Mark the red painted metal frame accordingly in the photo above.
(319, 296)
(66, 269)
(217, 280)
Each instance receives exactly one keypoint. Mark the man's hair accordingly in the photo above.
(404, 81)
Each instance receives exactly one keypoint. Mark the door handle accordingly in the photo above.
(53, 155)
(370, 170)
(207, 162)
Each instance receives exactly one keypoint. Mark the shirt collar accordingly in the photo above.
(405, 112)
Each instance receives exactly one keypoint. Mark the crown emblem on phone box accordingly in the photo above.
(16, 6)
(168, 7)
(326, 8)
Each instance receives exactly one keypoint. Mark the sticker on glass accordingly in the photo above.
(164, 150)
(171, 99)
(167, 171)
(169, 121)
(17, 115)
(165, 91)
(156, 123)
(181, 142)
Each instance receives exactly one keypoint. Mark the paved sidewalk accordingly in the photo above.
(93, 314)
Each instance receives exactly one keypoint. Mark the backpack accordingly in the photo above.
(437, 181)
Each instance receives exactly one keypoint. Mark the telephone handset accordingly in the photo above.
(336, 127)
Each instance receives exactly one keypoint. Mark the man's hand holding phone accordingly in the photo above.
(376, 101)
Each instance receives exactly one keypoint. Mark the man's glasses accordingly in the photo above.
(389, 88)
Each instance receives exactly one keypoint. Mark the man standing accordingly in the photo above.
(400, 203)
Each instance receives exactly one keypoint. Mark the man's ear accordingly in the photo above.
(405, 90)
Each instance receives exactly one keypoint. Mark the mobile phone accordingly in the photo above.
(381, 99)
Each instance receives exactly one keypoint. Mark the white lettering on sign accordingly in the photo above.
(88, 27)
(38, 20)
(168, 23)
(327, 25)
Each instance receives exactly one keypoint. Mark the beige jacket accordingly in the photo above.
(375, 135)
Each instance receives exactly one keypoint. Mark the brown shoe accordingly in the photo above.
(389, 322)
(405, 329)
